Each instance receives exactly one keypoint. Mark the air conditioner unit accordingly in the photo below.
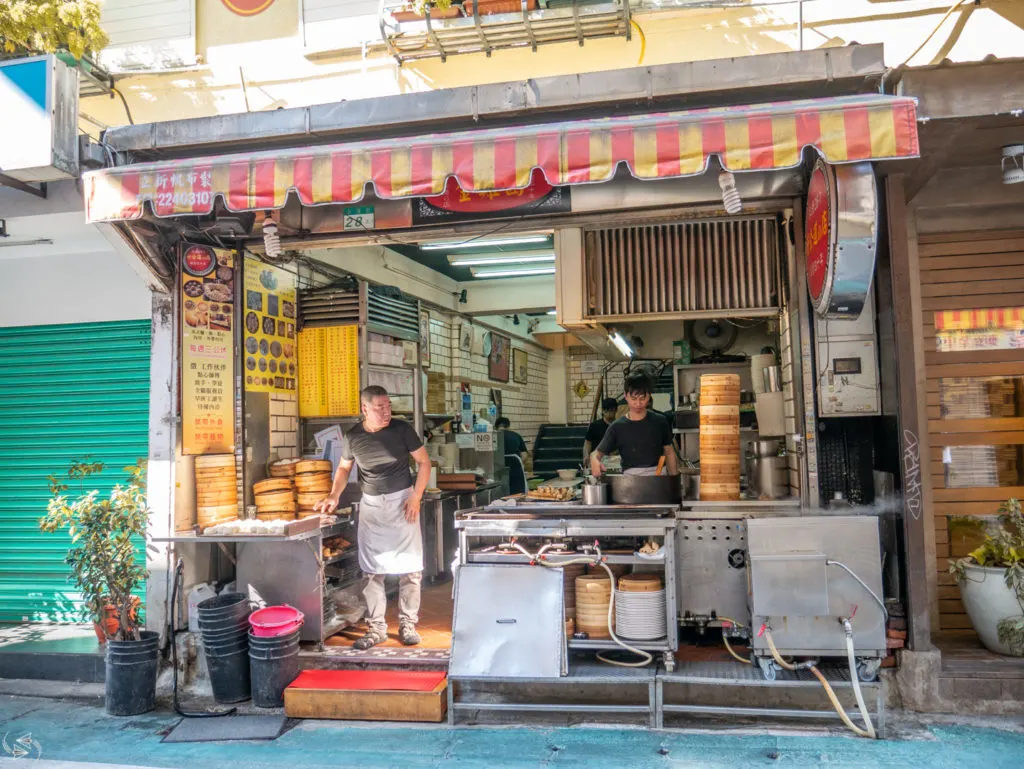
(39, 130)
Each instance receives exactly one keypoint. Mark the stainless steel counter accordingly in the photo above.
(739, 509)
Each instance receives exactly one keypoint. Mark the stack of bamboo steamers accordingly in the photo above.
(293, 489)
(216, 490)
(719, 437)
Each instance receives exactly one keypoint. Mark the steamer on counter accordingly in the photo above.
(216, 490)
(719, 437)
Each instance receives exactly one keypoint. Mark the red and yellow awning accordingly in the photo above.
(660, 146)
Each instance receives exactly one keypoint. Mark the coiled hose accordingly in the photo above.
(646, 658)
(869, 731)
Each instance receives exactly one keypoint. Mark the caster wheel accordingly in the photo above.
(768, 668)
(867, 670)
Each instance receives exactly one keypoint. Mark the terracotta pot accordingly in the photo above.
(111, 621)
(452, 12)
(491, 7)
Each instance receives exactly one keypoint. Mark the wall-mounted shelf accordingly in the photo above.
(432, 38)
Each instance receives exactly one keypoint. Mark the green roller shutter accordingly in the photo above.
(65, 392)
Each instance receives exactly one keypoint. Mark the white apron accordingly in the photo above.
(388, 543)
(641, 471)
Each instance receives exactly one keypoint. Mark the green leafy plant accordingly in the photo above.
(1003, 548)
(420, 6)
(49, 26)
(103, 536)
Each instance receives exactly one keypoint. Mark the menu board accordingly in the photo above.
(270, 357)
(207, 352)
(329, 371)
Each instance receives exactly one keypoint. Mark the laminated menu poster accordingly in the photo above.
(270, 354)
(207, 351)
(329, 371)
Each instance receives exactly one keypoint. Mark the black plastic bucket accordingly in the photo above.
(228, 664)
(227, 623)
(130, 682)
(273, 663)
(223, 606)
(227, 634)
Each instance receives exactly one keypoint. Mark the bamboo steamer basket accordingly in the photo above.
(275, 516)
(215, 460)
(279, 507)
(283, 468)
(272, 499)
(720, 453)
(272, 484)
(308, 500)
(305, 466)
(312, 479)
(209, 515)
(203, 501)
(641, 583)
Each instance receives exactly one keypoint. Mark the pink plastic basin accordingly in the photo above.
(275, 621)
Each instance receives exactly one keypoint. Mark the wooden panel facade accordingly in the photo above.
(974, 395)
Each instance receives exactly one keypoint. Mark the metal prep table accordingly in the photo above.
(437, 522)
(542, 521)
(286, 570)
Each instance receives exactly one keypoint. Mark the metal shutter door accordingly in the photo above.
(65, 392)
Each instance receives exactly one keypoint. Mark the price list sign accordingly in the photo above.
(207, 354)
(329, 371)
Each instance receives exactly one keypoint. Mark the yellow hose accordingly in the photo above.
(828, 687)
(643, 41)
(728, 646)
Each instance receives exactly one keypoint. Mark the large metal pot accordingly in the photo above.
(644, 489)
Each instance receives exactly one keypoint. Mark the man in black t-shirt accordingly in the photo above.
(597, 429)
(389, 538)
(641, 437)
(514, 443)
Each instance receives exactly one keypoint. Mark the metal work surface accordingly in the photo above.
(498, 511)
(509, 623)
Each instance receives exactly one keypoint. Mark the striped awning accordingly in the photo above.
(656, 146)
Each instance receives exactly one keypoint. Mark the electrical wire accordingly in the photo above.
(938, 26)
(127, 111)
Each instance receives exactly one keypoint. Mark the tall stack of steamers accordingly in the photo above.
(720, 437)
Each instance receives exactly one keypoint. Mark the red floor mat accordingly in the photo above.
(369, 680)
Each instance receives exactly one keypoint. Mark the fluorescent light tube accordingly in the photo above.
(620, 344)
(512, 273)
(484, 243)
(519, 257)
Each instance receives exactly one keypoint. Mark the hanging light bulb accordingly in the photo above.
(271, 240)
(730, 195)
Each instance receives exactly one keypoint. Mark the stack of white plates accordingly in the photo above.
(640, 616)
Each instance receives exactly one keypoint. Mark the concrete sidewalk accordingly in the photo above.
(76, 732)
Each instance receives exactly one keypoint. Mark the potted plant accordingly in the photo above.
(991, 581)
(417, 10)
(104, 533)
(490, 7)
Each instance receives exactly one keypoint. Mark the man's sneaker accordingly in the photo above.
(407, 635)
(371, 639)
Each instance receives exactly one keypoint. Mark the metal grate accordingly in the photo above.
(329, 307)
(391, 311)
(696, 267)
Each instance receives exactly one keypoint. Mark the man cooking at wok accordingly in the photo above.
(643, 438)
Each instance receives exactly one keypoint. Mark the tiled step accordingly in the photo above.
(51, 653)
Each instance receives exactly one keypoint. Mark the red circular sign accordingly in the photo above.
(247, 7)
(199, 261)
(818, 231)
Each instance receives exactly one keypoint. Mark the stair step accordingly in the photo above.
(73, 657)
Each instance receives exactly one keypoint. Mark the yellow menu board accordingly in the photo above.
(329, 371)
(270, 358)
(207, 351)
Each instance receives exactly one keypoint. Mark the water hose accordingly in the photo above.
(591, 560)
(179, 573)
(855, 679)
(870, 731)
(728, 646)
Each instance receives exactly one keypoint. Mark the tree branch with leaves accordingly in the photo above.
(48, 26)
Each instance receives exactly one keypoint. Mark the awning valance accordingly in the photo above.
(656, 146)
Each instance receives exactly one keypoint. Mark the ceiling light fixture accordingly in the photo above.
(552, 312)
(512, 273)
(730, 195)
(520, 257)
(620, 344)
(484, 243)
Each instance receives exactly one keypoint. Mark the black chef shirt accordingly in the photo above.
(641, 443)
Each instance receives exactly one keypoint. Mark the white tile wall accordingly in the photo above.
(284, 425)
(580, 409)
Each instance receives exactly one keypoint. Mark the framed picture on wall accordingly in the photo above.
(498, 361)
(520, 369)
(425, 338)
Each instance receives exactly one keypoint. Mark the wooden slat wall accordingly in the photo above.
(966, 270)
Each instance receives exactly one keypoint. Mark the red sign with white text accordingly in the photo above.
(458, 200)
(818, 232)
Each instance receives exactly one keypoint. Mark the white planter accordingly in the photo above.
(988, 600)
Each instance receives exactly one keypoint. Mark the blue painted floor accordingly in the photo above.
(73, 732)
